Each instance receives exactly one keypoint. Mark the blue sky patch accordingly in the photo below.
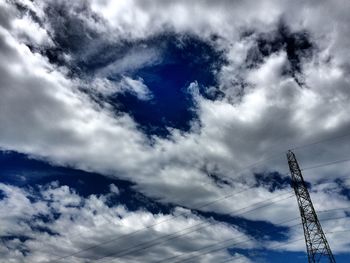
(19, 170)
(164, 103)
(185, 59)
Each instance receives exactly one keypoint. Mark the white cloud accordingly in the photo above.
(44, 100)
(126, 84)
(42, 112)
(114, 189)
(91, 222)
(137, 87)
(136, 58)
(26, 28)
(68, 128)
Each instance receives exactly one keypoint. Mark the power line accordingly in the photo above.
(320, 141)
(240, 242)
(197, 208)
(283, 244)
(193, 228)
(210, 246)
(151, 226)
(174, 235)
(325, 164)
(249, 239)
(163, 221)
(168, 219)
(301, 146)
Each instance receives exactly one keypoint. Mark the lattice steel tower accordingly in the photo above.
(317, 247)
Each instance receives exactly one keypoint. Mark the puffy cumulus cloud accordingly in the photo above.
(263, 110)
(66, 223)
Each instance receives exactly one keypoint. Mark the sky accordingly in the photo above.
(157, 131)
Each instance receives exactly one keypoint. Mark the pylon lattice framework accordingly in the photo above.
(317, 247)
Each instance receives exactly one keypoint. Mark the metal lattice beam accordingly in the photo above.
(317, 247)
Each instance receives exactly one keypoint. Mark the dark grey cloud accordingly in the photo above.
(44, 114)
(298, 46)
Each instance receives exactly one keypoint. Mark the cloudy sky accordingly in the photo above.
(156, 131)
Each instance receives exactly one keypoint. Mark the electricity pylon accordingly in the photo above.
(317, 247)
